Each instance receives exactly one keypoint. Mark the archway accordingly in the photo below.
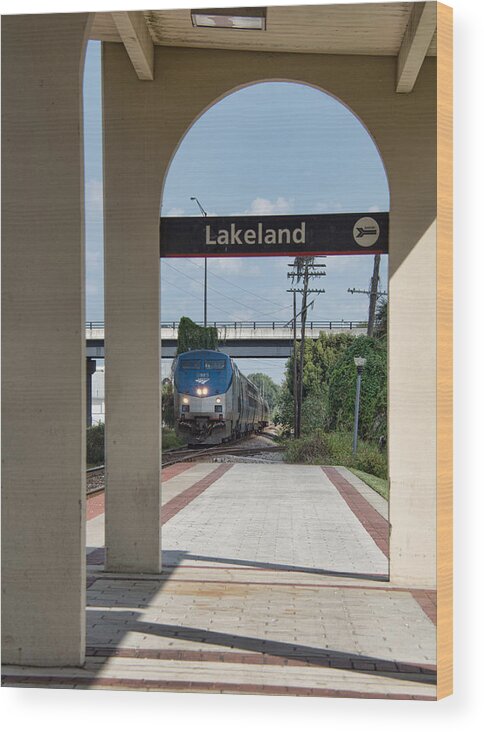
(137, 155)
(237, 156)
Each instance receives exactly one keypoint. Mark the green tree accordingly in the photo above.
(192, 337)
(381, 320)
(95, 444)
(342, 388)
(329, 385)
(267, 387)
(167, 403)
(320, 356)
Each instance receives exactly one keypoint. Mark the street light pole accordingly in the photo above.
(204, 213)
(360, 363)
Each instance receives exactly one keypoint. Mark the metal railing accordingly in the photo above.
(255, 324)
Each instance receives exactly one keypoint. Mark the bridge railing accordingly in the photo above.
(255, 324)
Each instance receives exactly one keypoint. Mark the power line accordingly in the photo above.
(244, 304)
(195, 297)
(234, 284)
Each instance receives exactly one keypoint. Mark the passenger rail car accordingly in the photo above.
(214, 401)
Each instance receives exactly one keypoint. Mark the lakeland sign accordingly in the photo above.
(218, 236)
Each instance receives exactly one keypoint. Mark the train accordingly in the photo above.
(214, 402)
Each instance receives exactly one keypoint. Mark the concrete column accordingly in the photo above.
(132, 186)
(413, 408)
(43, 359)
(90, 370)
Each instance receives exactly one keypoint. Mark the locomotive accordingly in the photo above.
(214, 402)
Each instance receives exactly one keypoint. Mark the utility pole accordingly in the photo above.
(295, 389)
(204, 213)
(373, 294)
(375, 279)
(304, 268)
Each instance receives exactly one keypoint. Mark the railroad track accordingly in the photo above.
(190, 455)
(95, 476)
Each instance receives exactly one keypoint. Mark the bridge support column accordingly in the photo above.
(132, 322)
(90, 370)
(43, 400)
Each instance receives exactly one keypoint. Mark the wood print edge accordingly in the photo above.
(444, 352)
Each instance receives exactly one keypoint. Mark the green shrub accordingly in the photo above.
(312, 449)
(95, 444)
(170, 439)
(335, 448)
(371, 460)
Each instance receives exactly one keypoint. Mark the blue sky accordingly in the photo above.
(268, 148)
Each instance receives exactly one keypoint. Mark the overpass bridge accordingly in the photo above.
(247, 339)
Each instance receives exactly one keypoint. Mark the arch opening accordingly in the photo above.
(284, 148)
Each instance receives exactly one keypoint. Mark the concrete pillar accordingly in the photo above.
(132, 187)
(43, 399)
(90, 370)
(412, 406)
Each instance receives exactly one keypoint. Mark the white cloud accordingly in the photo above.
(233, 266)
(175, 211)
(374, 209)
(265, 207)
(329, 207)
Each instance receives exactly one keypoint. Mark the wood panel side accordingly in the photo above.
(444, 352)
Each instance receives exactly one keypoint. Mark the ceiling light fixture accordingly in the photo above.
(233, 18)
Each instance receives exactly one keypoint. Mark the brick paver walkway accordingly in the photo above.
(273, 582)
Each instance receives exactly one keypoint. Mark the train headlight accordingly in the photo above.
(185, 400)
(199, 392)
(205, 391)
(218, 400)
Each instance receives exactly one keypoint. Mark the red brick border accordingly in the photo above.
(194, 686)
(173, 470)
(179, 502)
(427, 599)
(95, 504)
(171, 508)
(384, 587)
(369, 518)
(325, 660)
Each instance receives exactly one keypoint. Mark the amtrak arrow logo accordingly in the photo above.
(366, 231)
(201, 380)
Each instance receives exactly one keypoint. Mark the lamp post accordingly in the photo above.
(360, 364)
(204, 213)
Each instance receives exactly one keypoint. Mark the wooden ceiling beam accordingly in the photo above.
(415, 44)
(137, 41)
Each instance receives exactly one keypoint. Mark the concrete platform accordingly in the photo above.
(274, 581)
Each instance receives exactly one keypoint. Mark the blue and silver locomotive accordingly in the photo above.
(214, 402)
